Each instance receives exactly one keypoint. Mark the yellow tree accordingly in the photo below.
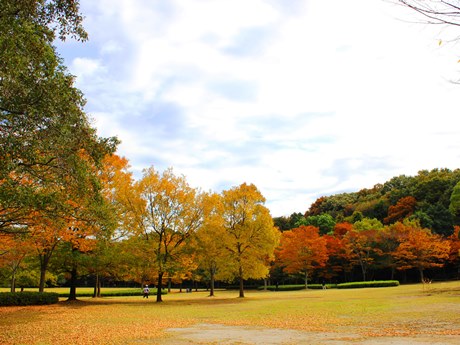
(250, 236)
(302, 250)
(117, 191)
(172, 213)
(208, 244)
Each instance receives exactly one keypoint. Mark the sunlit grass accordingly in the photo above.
(402, 310)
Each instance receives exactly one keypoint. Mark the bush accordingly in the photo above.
(295, 287)
(375, 283)
(112, 293)
(28, 298)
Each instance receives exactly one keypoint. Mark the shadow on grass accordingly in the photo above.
(151, 302)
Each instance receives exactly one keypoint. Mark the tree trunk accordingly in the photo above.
(160, 287)
(169, 285)
(306, 280)
(73, 284)
(241, 283)
(13, 282)
(265, 284)
(211, 293)
(97, 287)
(422, 278)
(44, 259)
(363, 269)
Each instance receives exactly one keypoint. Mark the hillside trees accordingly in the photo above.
(454, 204)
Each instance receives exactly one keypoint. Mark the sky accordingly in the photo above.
(301, 98)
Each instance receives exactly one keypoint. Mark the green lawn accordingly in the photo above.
(372, 313)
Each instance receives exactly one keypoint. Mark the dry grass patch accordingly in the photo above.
(404, 311)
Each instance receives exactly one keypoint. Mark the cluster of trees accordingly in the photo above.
(366, 246)
(409, 222)
(431, 197)
(49, 152)
(70, 207)
(161, 228)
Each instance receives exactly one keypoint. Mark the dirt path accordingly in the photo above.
(221, 334)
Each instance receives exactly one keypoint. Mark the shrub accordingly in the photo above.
(295, 287)
(112, 293)
(375, 283)
(27, 298)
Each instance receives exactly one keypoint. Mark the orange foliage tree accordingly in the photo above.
(302, 250)
(403, 209)
(454, 254)
(362, 244)
(420, 249)
(340, 255)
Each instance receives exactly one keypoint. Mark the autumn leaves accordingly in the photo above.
(229, 235)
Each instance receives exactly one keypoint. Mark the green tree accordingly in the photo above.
(454, 206)
(325, 222)
(47, 147)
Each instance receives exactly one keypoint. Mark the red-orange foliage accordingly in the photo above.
(341, 229)
(454, 241)
(302, 250)
(421, 249)
(362, 244)
(403, 209)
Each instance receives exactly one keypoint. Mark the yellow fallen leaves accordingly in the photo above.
(396, 312)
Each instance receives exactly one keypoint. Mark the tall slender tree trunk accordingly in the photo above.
(97, 287)
(422, 278)
(211, 293)
(44, 260)
(241, 282)
(73, 284)
(160, 287)
(306, 280)
(13, 281)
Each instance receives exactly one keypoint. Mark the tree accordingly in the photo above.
(403, 209)
(302, 250)
(454, 254)
(421, 249)
(208, 244)
(436, 12)
(250, 237)
(13, 251)
(46, 141)
(173, 212)
(454, 206)
(287, 223)
(325, 222)
(362, 244)
(368, 224)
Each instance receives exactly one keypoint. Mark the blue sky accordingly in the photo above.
(301, 98)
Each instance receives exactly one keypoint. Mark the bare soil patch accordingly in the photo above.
(223, 334)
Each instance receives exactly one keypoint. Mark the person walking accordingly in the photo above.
(146, 292)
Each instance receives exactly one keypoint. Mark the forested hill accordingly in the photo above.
(432, 197)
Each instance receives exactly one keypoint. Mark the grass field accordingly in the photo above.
(407, 314)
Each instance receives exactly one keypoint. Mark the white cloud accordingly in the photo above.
(302, 98)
